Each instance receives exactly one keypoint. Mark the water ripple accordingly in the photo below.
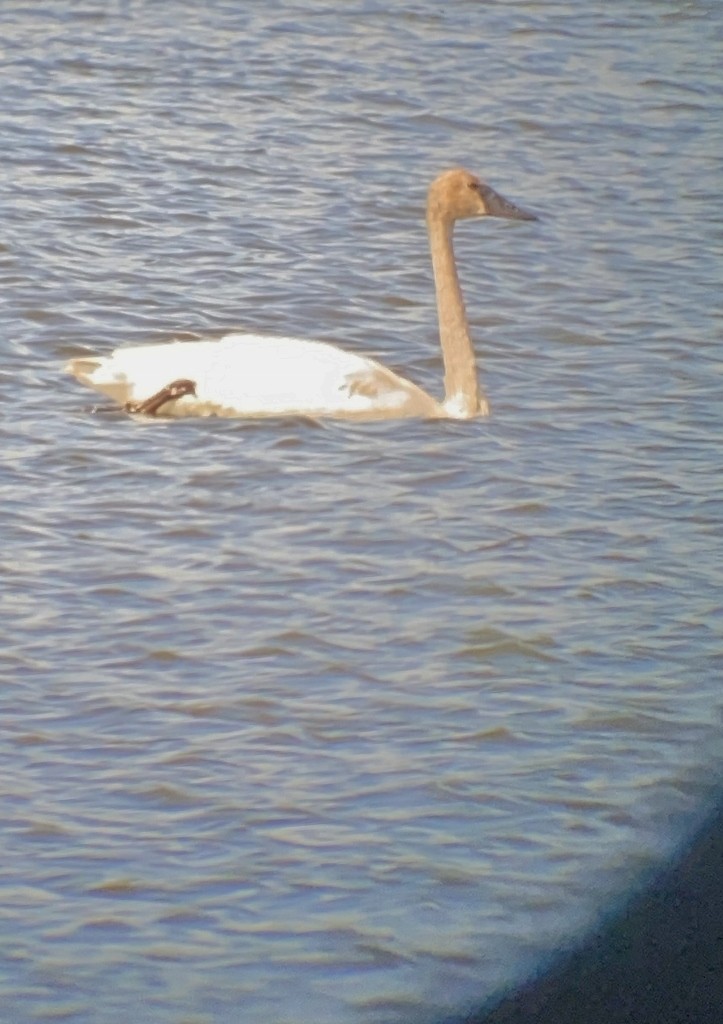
(333, 722)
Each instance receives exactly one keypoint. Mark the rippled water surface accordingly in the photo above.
(327, 722)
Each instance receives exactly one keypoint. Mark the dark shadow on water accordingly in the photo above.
(659, 960)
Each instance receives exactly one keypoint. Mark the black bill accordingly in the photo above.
(497, 206)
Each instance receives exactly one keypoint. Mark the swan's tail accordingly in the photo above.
(93, 371)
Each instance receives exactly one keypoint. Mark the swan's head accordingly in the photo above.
(458, 193)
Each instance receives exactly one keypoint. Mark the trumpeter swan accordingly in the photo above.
(252, 375)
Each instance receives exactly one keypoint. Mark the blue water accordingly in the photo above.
(330, 722)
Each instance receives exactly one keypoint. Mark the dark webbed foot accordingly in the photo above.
(177, 389)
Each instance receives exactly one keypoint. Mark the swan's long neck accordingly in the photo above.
(461, 387)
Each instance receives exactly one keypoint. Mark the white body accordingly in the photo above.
(253, 375)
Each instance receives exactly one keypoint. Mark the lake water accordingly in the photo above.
(329, 722)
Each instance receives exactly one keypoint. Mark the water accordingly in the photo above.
(329, 722)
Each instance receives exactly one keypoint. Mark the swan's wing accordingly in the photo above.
(286, 375)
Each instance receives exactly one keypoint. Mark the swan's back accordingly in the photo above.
(252, 375)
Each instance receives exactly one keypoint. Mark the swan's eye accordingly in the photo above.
(475, 185)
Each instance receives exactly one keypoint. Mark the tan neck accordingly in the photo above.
(461, 387)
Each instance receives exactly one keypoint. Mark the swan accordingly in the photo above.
(254, 375)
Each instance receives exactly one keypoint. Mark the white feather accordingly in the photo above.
(251, 375)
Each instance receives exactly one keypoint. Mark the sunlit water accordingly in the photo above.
(332, 723)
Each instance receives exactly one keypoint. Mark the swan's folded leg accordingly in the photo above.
(176, 389)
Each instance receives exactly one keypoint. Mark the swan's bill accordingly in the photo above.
(497, 206)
